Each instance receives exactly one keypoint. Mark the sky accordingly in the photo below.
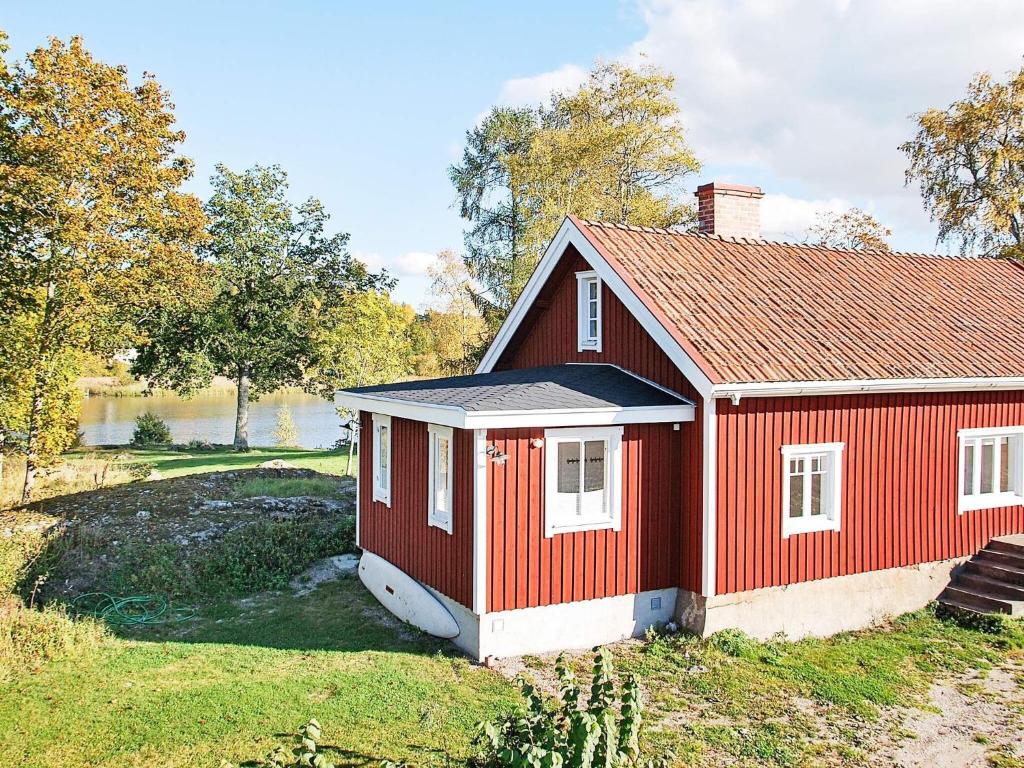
(366, 105)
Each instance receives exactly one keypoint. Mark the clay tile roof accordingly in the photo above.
(759, 311)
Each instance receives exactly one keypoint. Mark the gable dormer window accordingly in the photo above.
(588, 311)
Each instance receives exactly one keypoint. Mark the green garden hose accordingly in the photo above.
(131, 610)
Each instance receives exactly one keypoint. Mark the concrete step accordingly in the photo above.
(1003, 558)
(996, 571)
(964, 596)
(989, 586)
(1011, 545)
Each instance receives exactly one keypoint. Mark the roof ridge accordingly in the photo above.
(784, 243)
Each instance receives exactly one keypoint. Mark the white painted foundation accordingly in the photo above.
(808, 609)
(581, 624)
(818, 608)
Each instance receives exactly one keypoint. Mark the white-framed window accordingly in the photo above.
(991, 468)
(582, 479)
(811, 487)
(588, 292)
(382, 458)
(439, 497)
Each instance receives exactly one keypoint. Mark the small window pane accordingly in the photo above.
(593, 469)
(796, 495)
(592, 329)
(441, 480)
(591, 290)
(384, 478)
(968, 468)
(1004, 464)
(568, 467)
(817, 483)
(987, 465)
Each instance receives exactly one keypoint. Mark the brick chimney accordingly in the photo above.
(732, 210)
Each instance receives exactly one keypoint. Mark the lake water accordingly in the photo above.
(210, 416)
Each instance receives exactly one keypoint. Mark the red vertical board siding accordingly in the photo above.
(400, 534)
(593, 564)
(547, 336)
(899, 484)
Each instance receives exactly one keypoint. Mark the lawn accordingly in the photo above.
(175, 463)
(234, 682)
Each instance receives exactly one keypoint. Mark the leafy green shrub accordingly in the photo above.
(567, 730)
(303, 754)
(267, 554)
(260, 556)
(31, 636)
(989, 623)
(734, 642)
(150, 429)
(199, 444)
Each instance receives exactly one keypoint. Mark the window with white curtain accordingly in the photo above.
(439, 497)
(991, 468)
(583, 479)
(811, 488)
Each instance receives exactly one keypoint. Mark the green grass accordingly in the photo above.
(286, 487)
(741, 694)
(238, 680)
(174, 463)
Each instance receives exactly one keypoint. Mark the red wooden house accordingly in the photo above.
(710, 429)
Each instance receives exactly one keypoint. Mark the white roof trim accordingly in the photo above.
(453, 416)
(854, 386)
(567, 234)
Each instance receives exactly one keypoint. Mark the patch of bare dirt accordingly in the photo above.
(973, 718)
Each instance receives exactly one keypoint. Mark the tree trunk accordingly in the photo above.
(351, 446)
(34, 427)
(242, 409)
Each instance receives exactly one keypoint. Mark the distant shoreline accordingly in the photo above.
(112, 386)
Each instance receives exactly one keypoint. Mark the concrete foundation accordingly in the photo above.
(808, 609)
(818, 608)
(582, 624)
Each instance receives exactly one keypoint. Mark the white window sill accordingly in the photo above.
(593, 346)
(382, 496)
(597, 525)
(794, 526)
(444, 525)
(989, 501)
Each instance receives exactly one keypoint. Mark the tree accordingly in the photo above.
(455, 325)
(276, 274)
(613, 149)
(365, 340)
(94, 229)
(852, 230)
(285, 433)
(969, 161)
(491, 185)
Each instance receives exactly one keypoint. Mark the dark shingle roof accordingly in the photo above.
(551, 387)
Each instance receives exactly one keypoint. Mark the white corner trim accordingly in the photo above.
(380, 493)
(438, 519)
(567, 234)
(613, 479)
(451, 416)
(832, 521)
(855, 386)
(710, 498)
(480, 522)
(583, 341)
(359, 475)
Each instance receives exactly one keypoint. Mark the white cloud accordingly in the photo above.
(811, 97)
(821, 92)
(522, 91)
(411, 264)
(788, 218)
